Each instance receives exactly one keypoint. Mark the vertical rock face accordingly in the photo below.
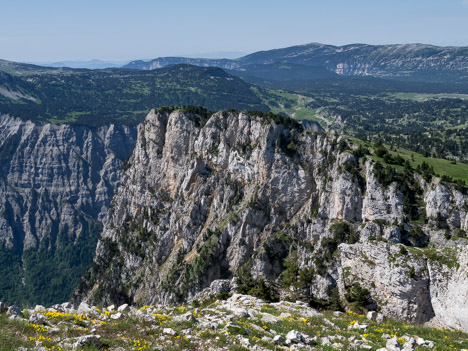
(379, 266)
(258, 196)
(449, 291)
(56, 183)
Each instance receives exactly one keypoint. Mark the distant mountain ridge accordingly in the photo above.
(167, 61)
(87, 64)
(412, 62)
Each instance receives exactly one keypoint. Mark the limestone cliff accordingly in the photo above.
(246, 195)
(56, 183)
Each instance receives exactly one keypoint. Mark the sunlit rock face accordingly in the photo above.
(237, 194)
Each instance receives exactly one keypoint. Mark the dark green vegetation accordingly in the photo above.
(120, 96)
(341, 84)
(282, 72)
(397, 163)
(259, 288)
(49, 275)
(436, 127)
(430, 125)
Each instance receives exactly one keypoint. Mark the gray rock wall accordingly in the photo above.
(56, 182)
(50, 176)
(246, 194)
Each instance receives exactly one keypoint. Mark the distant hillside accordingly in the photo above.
(283, 72)
(410, 62)
(379, 60)
(21, 69)
(100, 97)
(353, 85)
(167, 61)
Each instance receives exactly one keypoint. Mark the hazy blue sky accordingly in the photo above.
(48, 30)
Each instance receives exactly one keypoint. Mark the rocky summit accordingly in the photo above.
(281, 213)
(222, 321)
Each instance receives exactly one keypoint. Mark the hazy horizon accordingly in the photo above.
(212, 55)
(209, 55)
(54, 31)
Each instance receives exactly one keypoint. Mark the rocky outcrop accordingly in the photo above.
(380, 268)
(260, 198)
(56, 183)
(448, 205)
(449, 288)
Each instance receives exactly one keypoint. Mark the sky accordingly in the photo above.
(53, 30)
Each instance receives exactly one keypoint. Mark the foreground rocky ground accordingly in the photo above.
(237, 322)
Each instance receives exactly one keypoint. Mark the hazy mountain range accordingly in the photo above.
(89, 64)
(102, 64)
(410, 62)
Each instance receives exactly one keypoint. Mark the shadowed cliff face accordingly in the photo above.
(55, 184)
(258, 196)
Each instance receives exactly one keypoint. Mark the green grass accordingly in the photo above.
(447, 256)
(294, 105)
(441, 166)
(423, 97)
(9, 340)
(68, 119)
(306, 114)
